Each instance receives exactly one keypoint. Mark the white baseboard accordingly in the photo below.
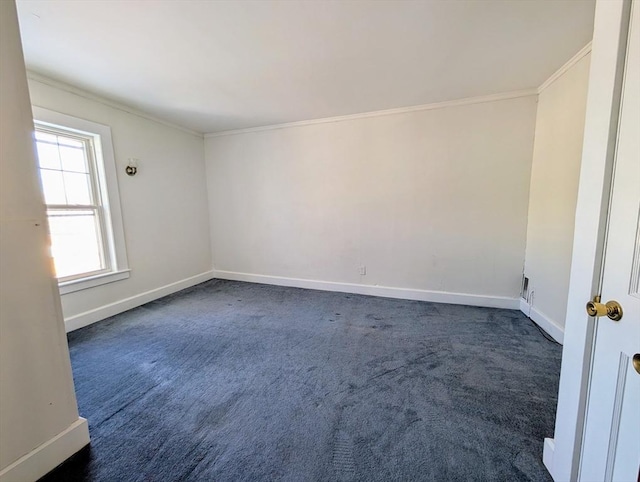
(543, 321)
(547, 454)
(383, 291)
(102, 312)
(49, 455)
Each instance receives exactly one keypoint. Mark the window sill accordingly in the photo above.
(92, 281)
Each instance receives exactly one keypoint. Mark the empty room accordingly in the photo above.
(314, 240)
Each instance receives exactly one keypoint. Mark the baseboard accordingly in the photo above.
(49, 455)
(102, 312)
(383, 291)
(543, 321)
(547, 454)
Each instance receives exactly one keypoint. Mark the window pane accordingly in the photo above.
(45, 136)
(73, 158)
(68, 141)
(77, 188)
(75, 242)
(48, 156)
(52, 186)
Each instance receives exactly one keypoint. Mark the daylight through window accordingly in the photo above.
(80, 189)
(71, 191)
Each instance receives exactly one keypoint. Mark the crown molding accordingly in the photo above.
(401, 110)
(101, 100)
(561, 71)
(379, 113)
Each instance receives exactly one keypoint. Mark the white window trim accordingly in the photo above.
(109, 192)
(92, 281)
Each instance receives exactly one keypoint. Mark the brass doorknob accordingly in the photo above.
(612, 309)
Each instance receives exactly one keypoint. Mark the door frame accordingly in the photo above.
(562, 453)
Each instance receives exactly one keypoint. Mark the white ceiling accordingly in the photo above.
(219, 65)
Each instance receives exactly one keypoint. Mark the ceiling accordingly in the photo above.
(218, 65)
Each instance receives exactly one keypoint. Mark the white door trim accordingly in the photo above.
(562, 454)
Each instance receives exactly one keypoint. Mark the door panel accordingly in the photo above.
(611, 447)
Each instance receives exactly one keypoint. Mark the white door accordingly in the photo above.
(611, 444)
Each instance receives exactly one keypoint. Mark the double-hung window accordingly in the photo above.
(79, 184)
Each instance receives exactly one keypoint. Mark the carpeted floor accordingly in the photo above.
(232, 381)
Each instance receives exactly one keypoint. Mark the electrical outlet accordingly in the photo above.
(363, 270)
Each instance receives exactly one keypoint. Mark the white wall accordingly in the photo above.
(429, 201)
(554, 189)
(37, 400)
(164, 207)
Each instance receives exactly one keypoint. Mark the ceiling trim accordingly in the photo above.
(437, 105)
(109, 103)
(561, 71)
(378, 113)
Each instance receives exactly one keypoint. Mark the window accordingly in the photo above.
(77, 173)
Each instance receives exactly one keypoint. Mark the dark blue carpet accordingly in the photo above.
(232, 381)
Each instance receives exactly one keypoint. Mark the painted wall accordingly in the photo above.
(37, 400)
(431, 200)
(164, 207)
(554, 189)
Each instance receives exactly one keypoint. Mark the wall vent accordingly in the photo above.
(524, 293)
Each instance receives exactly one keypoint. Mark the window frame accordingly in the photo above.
(106, 195)
(95, 205)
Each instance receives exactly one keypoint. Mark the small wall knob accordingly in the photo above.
(132, 166)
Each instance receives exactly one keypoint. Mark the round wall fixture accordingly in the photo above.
(132, 167)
